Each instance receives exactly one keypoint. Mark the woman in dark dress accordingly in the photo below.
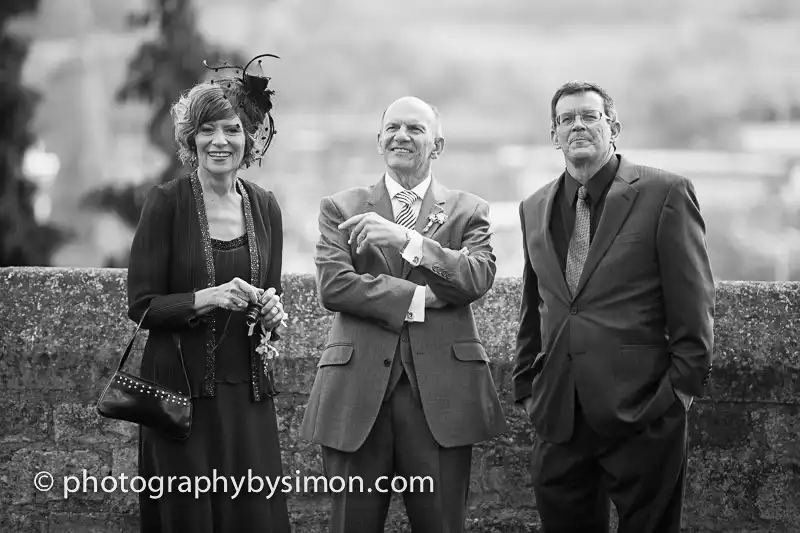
(208, 245)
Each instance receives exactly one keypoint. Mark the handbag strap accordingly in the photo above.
(130, 344)
(177, 341)
(174, 338)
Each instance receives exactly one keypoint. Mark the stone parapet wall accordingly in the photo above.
(62, 331)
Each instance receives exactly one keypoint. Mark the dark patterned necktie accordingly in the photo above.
(406, 215)
(579, 243)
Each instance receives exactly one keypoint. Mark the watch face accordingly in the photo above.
(408, 240)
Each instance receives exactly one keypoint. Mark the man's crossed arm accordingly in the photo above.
(454, 277)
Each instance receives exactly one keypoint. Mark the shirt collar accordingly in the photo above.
(596, 184)
(393, 187)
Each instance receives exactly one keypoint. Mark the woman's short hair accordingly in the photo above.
(222, 98)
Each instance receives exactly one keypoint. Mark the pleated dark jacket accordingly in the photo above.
(171, 259)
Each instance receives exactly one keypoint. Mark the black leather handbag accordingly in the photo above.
(133, 399)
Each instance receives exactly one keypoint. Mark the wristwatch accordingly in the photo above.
(408, 240)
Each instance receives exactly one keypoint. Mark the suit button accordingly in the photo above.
(386, 362)
(573, 310)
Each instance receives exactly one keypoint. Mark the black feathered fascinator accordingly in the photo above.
(251, 92)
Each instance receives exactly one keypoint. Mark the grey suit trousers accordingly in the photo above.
(436, 479)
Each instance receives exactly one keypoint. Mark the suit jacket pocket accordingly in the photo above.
(469, 351)
(629, 237)
(336, 354)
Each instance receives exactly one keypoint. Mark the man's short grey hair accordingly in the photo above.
(576, 87)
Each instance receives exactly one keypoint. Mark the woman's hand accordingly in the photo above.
(272, 310)
(236, 295)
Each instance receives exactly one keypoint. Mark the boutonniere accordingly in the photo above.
(440, 217)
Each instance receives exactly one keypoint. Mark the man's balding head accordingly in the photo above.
(410, 138)
(414, 102)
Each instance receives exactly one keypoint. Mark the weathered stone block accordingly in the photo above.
(756, 343)
(125, 461)
(307, 459)
(777, 500)
(34, 476)
(501, 474)
(24, 520)
(782, 434)
(81, 424)
(68, 330)
(24, 418)
(92, 523)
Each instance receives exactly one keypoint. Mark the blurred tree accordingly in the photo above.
(157, 74)
(23, 240)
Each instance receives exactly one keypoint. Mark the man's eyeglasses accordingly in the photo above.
(587, 117)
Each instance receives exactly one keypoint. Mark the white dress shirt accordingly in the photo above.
(413, 252)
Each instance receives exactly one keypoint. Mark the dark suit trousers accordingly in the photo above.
(400, 444)
(643, 474)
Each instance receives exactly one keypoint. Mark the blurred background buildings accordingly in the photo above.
(709, 89)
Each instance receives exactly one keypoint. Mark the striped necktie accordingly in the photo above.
(406, 216)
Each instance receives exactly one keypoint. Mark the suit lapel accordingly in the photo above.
(433, 202)
(619, 202)
(381, 204)
(550, 258)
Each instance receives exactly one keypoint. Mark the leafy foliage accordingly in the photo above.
(157, 74)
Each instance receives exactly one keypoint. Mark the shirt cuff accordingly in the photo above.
(416, 311)
(413, 251)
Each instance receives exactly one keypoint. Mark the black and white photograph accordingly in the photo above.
(455, 266)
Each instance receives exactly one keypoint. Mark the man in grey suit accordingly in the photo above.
(403, 386)
(616, 327)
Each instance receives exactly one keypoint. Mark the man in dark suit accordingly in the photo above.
(403, 385)
(615, 335)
